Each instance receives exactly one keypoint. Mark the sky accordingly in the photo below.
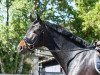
(2, 11)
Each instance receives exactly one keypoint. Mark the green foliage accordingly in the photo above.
(12, 34)
(1, 18)
(85, 5)
(56, 11)
(88, 12)
(83, 21)
(26, 68)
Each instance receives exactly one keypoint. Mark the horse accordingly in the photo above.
(74, 54)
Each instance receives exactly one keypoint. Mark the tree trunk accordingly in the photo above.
(20, 68)
(2, 68)
(35, 66)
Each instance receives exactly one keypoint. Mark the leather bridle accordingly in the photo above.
(29, 43)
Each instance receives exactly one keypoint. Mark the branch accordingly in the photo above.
(7, 6)
(20, 68)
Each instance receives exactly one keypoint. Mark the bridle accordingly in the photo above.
(28, 43)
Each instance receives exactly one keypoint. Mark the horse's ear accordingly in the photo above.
(31, 18)
(38, 17)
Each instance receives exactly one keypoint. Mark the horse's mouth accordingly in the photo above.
(21, 49)
(25, 49)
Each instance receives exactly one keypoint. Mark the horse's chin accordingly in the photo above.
(23, 50)
(26, 49)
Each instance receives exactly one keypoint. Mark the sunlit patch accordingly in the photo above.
(22, 43)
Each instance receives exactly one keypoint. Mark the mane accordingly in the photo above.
(67, 34)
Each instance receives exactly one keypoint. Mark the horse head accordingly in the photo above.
(33, 37)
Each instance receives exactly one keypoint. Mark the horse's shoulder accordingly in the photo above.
(97, 61)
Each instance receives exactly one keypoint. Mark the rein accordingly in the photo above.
(69, 50)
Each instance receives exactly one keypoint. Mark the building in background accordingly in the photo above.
(48, 64)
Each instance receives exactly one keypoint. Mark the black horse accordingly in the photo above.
(72, 53)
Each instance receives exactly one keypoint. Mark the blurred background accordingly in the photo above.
(81, 17)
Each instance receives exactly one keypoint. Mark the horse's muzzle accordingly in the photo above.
(21, 46)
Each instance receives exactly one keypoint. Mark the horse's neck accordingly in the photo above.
(58, 41)
(55, 42)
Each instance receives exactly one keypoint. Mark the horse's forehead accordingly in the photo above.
(36, 23)
(35, 27)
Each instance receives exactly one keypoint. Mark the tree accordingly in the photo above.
(10, 34)
(83, 21)
(88, 13)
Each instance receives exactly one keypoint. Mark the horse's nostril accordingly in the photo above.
(21, 47)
